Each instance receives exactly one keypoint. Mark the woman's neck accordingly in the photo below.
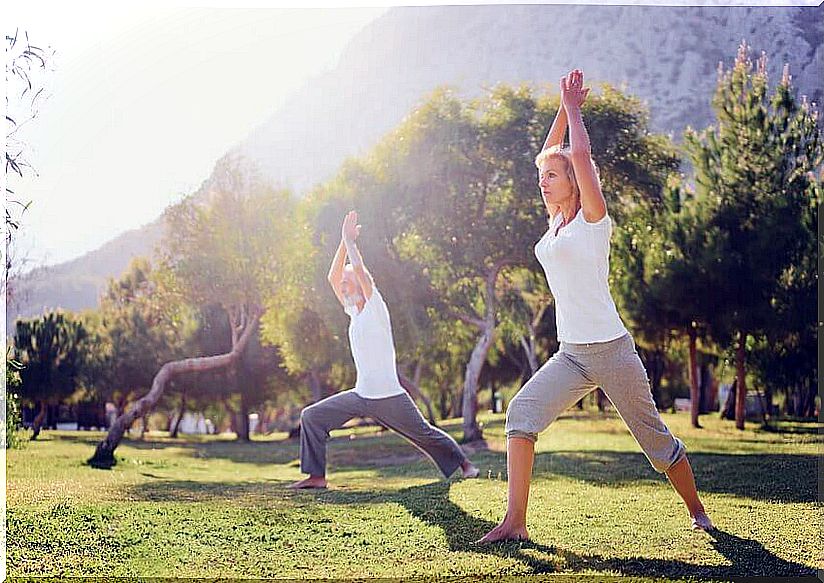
(569, 209)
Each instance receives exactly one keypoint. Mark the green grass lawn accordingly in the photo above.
(212, 508)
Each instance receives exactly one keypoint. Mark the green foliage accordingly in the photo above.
(755, 208)
(48, 349)
(143, 322)
(226, 250)
(754, 181)
(12, 428)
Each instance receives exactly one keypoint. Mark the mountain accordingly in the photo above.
(666, 55)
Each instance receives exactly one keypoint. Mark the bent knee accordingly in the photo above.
(663, 461)
(307, 415)
(519, 422)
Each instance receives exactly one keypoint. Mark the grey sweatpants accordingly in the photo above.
(577, 369)
(397, 413)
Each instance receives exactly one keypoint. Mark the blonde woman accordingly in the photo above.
(596, 350)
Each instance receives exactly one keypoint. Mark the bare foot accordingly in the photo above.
(702, 522)
(310, 482)
(502, 532)
(468, 470)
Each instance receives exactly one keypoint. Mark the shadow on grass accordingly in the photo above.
(765, 476)
(779, 477)
(430, 503)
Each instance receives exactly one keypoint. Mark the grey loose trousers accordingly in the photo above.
(397, 413)
(577, 369)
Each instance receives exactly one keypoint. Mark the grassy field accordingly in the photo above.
(212, 508)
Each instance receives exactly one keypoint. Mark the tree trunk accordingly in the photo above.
(711, 401)
(315, 385)
(600, 399)
(243, 418)
(411, 386)
(768, 397)
(812, 393)
(762, 406)
(104, 454)
(176, 427)
(37, 424)
(443, 403)
(144, 422)
(695, 396)
(529, 348)
(471, 429)
(231, 415)
(728, 409)
(741, 395)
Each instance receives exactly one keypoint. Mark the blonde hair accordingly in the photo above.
(565, 154)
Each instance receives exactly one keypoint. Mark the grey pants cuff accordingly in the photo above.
(681, 453)
(533, 437)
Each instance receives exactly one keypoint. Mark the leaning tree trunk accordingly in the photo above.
(104, 454)
(695, 395)
(37, 424)
(741, 395)
(529, 349)
(471, 429)
(414, 390)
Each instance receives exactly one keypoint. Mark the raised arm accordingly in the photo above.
(351, 230)
(557, 130)
(573, 95)
(336, 271)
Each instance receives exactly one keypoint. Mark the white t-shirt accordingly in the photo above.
(373, 350)
(576, 264)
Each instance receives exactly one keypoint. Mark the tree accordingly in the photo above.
(754, 173)
(48, 350)
(222, 251)
(140, 325)
(785, 356)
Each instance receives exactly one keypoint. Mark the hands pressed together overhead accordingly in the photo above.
(573, 93)
(350, 229)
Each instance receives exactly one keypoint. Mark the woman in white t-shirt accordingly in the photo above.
(596, 350)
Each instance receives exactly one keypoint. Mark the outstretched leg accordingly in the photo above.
(316, 421)
(400, 414)
(624, 380)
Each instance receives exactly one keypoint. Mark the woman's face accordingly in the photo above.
(553, 181)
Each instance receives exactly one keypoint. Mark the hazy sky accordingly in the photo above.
(143, 100)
